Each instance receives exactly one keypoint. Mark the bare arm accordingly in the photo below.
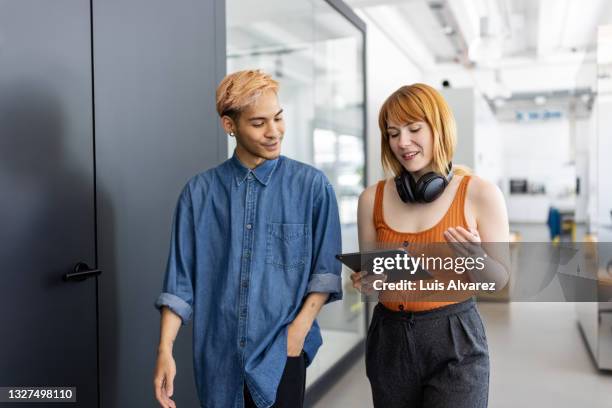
(366, 231)
(170, 325)
(165, 367)
(493, 227)
(365, 219)
(492, 230)
(299, 328)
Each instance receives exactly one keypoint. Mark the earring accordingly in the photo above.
(232, 134)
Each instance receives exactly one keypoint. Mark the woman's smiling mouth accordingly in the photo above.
(409, 155)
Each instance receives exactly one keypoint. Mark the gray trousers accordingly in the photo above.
(431, 359)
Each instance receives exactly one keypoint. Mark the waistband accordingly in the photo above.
(426, 314)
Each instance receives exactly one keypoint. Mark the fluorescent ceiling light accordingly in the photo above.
(499, 102)
(486, 50)
(552, 17)
(481, 23)
(467, 15)
(539, 100)
(387, 19)
(604, 45)
(581, 29)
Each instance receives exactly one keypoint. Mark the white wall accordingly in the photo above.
(488, 143)
(462, 102)
(604, 149)
(584, 166)
(604, 128)
(479, 142)
(539, 152)
(387, 70)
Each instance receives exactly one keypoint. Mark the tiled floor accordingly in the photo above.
(538, 359)
(335, 346)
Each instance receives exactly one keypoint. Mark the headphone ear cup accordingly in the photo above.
(430, 186)
(411, 188)
(404, 188)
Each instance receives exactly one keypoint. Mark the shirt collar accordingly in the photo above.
(261, 173)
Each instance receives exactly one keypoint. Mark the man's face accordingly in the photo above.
(260, 129)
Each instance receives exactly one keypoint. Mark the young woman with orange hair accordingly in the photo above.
(420, 352)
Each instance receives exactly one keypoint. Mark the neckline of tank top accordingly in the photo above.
(464, 179)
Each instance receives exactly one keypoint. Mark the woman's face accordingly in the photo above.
(412, 145)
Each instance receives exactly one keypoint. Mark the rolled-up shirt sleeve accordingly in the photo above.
(325, 274)
(177, 291)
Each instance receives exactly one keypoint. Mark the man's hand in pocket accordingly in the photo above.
(296, 334)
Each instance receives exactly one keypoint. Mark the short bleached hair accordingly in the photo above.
(240, 89)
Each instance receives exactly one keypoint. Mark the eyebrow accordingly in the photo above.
(263, 118)
(407, 125)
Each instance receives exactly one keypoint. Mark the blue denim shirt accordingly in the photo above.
(247, 247)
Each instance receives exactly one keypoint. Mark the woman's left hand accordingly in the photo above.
(465, 243)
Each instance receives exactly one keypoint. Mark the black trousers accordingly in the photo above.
(290, 392)
(431, 359)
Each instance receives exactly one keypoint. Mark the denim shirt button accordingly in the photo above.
(249, 226)
(242, 342)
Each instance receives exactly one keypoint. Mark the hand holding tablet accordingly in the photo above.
(373, 266)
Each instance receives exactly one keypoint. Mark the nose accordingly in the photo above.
(275, 130)
(404, 139)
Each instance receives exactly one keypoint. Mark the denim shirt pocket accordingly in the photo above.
(287, 245)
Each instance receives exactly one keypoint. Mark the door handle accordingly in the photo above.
(81, 272)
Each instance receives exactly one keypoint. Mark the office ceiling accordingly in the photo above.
(441, 31)
(518, 53)
(502, 47)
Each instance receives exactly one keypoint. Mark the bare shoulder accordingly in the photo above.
(367, 196)
(488, 209)
(483, 193)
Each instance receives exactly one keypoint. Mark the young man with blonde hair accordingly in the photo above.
(251, 261)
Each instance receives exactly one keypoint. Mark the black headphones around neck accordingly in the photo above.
(426, 189)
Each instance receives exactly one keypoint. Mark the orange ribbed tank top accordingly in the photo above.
(454, 216)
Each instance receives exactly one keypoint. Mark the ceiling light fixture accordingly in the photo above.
(485, 50)
(539, 100)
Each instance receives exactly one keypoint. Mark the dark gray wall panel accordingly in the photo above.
(157, 64)
(48, 335)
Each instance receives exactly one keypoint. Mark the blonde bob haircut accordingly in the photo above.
(420, 103)
(240, 89)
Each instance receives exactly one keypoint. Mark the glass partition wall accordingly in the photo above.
(317, 55)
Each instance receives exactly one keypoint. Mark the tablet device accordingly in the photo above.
(360, 261)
